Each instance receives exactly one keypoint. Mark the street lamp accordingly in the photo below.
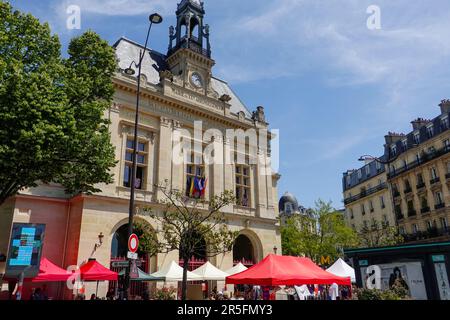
(154, 19)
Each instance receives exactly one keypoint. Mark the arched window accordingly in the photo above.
(195, 32)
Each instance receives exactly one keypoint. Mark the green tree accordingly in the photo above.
(52, 109)
(320, 233)
(192, 225)
(378, 234)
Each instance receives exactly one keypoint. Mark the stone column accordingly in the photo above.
(177, 172)
(217, 180)
(228, 170)
(261, 185)
(164, 154)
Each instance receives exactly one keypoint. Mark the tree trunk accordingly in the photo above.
(184, 283)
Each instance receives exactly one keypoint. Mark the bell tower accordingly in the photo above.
(189, 53)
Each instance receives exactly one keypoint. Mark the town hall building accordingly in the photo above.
(178, 88)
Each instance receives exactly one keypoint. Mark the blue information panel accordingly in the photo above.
(25, 249)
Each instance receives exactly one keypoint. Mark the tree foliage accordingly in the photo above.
(319, 234)
(192, 225)
(378, 234)
(52, 109)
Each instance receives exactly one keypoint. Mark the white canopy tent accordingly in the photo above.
(236, 269)
(342, 269)
(210, 272)
(173, 272)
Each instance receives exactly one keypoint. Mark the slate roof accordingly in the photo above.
(154, 62)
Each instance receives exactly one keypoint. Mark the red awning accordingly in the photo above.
(94, 271)
(276, 270)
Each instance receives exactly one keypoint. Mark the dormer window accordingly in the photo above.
(393, 150)
(367, 171)
(359, 174)
(444, 123)
(430, 131)
(417, 138)
(405, 145)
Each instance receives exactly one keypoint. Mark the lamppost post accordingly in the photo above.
(154, 19)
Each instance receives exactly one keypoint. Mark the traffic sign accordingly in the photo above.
(132, 255)
(133, 243)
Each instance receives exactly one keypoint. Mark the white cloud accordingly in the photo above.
(124, 7)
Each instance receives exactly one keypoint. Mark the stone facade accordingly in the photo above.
(413, 177)
(170, 101)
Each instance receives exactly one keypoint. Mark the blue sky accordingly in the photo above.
(333, 87)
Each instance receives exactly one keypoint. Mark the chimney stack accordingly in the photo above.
(393, 137)
(445, 106)
(419, 123)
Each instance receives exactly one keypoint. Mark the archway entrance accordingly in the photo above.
(243, 251)
(119, 261)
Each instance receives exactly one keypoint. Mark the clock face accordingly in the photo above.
(197, 80)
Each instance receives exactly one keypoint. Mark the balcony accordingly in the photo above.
(407, 190)
(429, 234)
(439, 206)
(425, 210)
(365, 193)
(420, 185)
(434, 181)
(412, 213)
(424, 159)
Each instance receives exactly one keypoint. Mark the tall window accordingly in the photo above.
(433, 173)
(446, 144)
(415, 228)
(141, 160)
(448, 167)
(382, 204)
(371, 206)
(351, 213)
(363, 209)
(419, 178)
(443, 222)
(195, 176)
(429, 225)
(438, 199)
(242, 175)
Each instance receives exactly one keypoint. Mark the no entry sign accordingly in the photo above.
(133, 243)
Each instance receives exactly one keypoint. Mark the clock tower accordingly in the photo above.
(189, 54)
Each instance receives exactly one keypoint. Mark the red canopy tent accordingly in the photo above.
(49, 272)
(276, 270)
(94, 271)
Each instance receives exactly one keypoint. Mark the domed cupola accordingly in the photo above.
(288, 204)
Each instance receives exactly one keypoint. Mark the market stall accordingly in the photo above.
(275, 270)
(342, 269)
